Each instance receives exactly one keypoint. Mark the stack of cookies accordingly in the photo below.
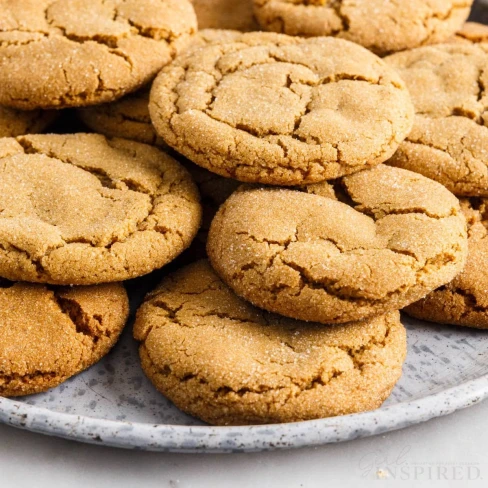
(312, 189)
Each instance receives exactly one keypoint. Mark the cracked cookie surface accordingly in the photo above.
(368, 243)
(463, 301)
(84, 52)
(221, 359)
(83, 209)
(225, 14)
(19, 122)
(449, 139)
(391, 26)
(129, 117)
(48, 334)
(281, 110)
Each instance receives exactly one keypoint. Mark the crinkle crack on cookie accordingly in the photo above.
(129, 117)
(82, 209)
(449, 140)
(381, 26)
(65, 53)
(368, 243)
(463, 301)
(221, 359)
(280, 110)
(473, 33)
(48, 334)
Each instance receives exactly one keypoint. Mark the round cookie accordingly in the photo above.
(225, 14)
(463, 301)
(383, 27)
(71, 53)
(221, 359)
(369, 243)
(50, 334)
(281, 110)
(18, 122)
(82, 209)
(449, 139)
(129, 117)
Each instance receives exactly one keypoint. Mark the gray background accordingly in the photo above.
(450, 447)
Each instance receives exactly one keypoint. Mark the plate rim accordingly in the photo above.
(185, 438)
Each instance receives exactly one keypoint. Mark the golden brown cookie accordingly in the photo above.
(449, 140)
(225, 14)
(48, 334)
(129, 117)
(72, 53)
(281, 110)
(368, 243)
(83, 209)
(471, 32)
(382, 27)
(19, 122)
(464, 301)
(221, 359)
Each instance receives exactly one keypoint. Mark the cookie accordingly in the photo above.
(281, 110)
(449, 140)
(82, 209)
(225, 14)
(71, 53)
(464, 301)
(18, 122)
(382, 27)
(48, 334)
(129, 117)
(220, 359)
(471, 32)
(366, 244)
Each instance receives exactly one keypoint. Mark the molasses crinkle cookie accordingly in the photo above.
(363, 245)
(381, 26)
(281, 110)
(48, 334)
(463, 301)
(71, 53)
(82, 209)
(221, 359)
(449, 139)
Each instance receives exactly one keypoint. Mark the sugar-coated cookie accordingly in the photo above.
(48, 334)
(366, 244)
(382, 26)
(83, 209)
(221, 359)
(449, 140)
(463, 301)
(71, 53)
(281, 110)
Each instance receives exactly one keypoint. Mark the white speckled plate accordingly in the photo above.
(114, 404)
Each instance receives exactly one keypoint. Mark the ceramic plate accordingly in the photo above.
(114, 404)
